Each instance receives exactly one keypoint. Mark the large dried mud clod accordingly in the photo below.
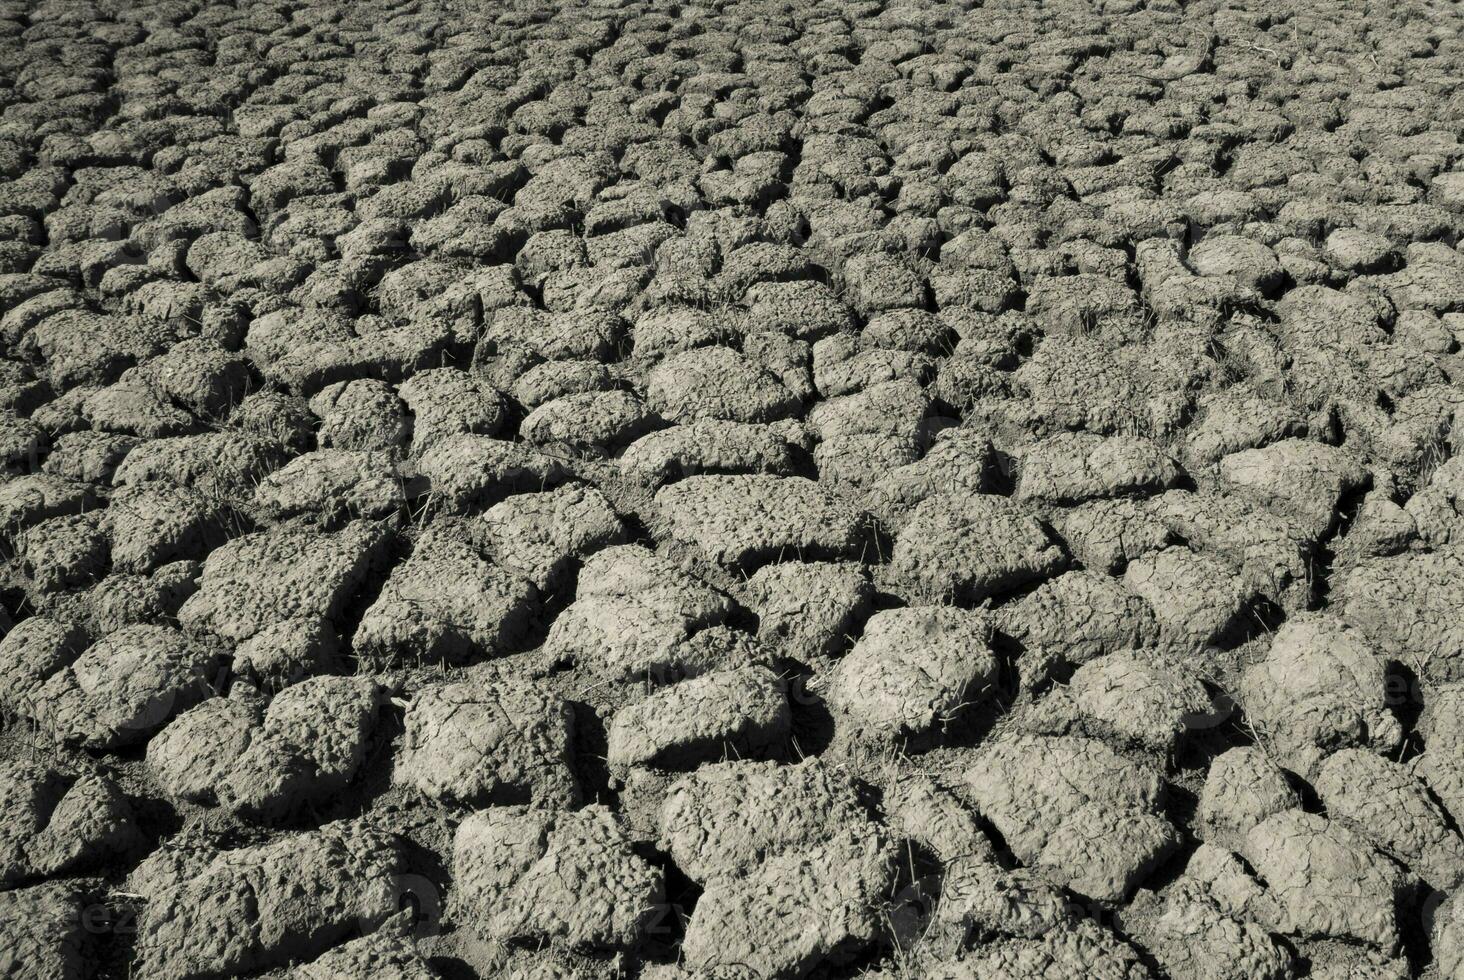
(226, 464)
(447, 602)
(1075, 808)
(740, 713)
(466, 471)
(796, 910)
(1394, 810)
(802, 883)
(1243, 788)
(634, 613)
(543, 536)
(124, 688)
(1146, 698)
(960, 462)
(1268, 554)
(1076, 466)
(969, 547)
(1301, 480)
(334, 484)
(151, 525)
(266, 577)
(1198, 935)
(1079, 615)
(912, 671)
(390, 952)
(55, 824)
(1321, 687)
(1441, 765)
(1084, 949)
(478, 742)
(717, 383)
(194, 755)
(1402, 604)
(709, 446)
(594, 422)
(43, 933)
(808, 610)
(744, 522)
(1327, 879)
(571, 879)
(703, 823)
(212, 912)
(1197, 600)
(309, 747)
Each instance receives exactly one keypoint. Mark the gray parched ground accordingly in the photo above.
(732, 489)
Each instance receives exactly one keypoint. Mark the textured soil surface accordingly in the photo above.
(732, 490)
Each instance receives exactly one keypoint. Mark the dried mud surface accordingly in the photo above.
(737, 491)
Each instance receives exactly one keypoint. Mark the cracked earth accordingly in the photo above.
(736, 490)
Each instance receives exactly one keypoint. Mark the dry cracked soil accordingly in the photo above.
(732, 490)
